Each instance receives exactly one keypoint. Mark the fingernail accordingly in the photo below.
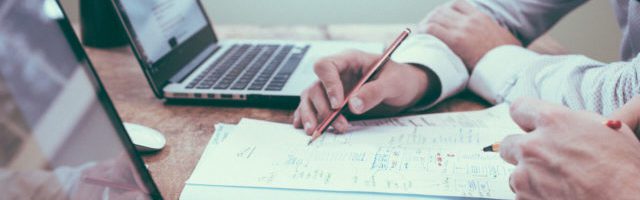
(307, 126)
(356, 103)
(334, 102)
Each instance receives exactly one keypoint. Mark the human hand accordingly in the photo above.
(396, 87)
(570, 155)
(630, 115)
(467, 31)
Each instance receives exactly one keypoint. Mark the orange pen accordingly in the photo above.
(368, 76)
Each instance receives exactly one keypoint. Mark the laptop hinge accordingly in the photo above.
(193, 65)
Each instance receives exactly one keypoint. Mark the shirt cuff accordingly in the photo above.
(498, 71)
(431, 52)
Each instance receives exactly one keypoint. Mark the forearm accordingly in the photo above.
(509, 72)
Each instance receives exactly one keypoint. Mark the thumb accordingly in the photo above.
(530, 113)
(629, 114)
(368, 97)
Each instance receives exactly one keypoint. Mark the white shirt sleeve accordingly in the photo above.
(431, 52)
(493, 77)
(510, 72)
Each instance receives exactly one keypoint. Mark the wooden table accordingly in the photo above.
(189, 128)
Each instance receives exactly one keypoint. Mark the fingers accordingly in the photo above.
(341, 124)
(369, 96)
(629, 114)
(313, 108)
(308, 118)
(441, 22)
(510, 150)
(439, 31)
(307, 114)
(464, 7)
(523, 114)
(515, 149)
(319, 100)
(297, 123)
(519, 179)
(532, 113)
(445, 17)
(322, 98)
(330, 70)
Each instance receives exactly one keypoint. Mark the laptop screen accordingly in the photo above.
(164, 24)
(169, 37)
(60, 137)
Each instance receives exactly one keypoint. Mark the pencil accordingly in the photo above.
(374, 70)
(612, 124)
(492, 148)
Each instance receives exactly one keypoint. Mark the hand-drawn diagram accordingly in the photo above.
(411, 160)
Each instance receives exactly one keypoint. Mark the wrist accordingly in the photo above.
(429, 85)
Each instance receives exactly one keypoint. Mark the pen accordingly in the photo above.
(612, 124)
(372, 72)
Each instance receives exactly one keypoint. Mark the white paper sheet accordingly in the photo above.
(414, 157)
(494, 117)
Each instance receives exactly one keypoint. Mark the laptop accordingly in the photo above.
(60, 136)
(182, 58)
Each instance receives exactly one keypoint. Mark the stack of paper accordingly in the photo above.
(395, 158)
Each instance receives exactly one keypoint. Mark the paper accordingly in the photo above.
(222, 131)
(494, 117)
(193, 191)
(425, 160)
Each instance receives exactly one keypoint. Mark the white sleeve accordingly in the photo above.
(509, 72)
(430, 52)
(494, 76)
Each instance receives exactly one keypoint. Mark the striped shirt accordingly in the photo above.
(509, 72)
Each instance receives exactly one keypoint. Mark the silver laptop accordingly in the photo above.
(60, 136)
(183, 58)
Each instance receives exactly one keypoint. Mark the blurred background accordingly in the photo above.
(590, 30)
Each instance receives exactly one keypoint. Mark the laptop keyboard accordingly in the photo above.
(252, 67)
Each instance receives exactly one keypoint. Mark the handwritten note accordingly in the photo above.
(494, 117)
(417, 160)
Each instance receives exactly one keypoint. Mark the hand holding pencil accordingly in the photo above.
(598, 158)
(368, 76)
(396, 87)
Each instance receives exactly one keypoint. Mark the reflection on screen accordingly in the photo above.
(56, 140)
(161, 25)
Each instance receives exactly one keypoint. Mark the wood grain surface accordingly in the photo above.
(189, 128)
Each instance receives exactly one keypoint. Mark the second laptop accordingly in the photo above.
(182, 57)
